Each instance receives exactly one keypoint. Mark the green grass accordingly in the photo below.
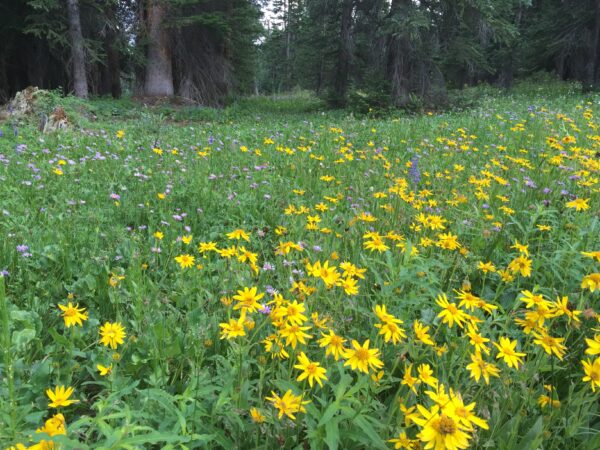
(176, 384)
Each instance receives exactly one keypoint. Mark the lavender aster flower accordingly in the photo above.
(265, 309)
(413, 172)
(270, 290)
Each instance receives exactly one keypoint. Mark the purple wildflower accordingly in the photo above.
(265, 309)
(413, 172)
(270, 290)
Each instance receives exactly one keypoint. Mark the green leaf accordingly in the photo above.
(332, 434)
(153, 438)
(329, 413)
(166, 401)
(367, 428)
(534, 437)
(58, 338)
(23, 337)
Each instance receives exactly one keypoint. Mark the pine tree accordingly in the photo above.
(77, 50)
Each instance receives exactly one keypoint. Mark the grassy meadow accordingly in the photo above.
(276, 275)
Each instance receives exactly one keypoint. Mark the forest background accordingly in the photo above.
(359, 53)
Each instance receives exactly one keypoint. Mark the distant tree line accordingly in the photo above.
(202, 50)
(406, 49)
(208, 50)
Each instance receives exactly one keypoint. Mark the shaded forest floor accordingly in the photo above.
(293, 106)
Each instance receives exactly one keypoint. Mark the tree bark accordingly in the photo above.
(112, 52)
(77, 50)
(398, 48)
(288, 44)
(159, 69)
(591, 66)
(344, 54)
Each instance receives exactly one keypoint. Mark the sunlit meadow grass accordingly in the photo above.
(229, 266)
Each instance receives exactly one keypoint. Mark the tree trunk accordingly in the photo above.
(319, 77)
(288, 45)
(77, 51)
(506, 78)
(159, 71)
(507, 69)
(398, 48)
(591, 65)
(321, 67)
(112, 53)
(344, 54)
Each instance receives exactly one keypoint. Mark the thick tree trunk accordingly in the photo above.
(507, 69)
(77, 51)
(398, 48)
(159, 69)
(344, 54)
(114, 70)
